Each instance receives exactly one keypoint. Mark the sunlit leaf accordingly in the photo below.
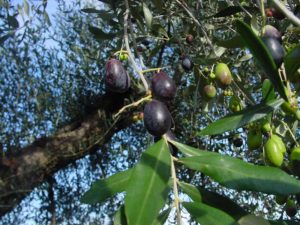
(208, 215)
(237, 174)
(105, 188)
(148, 15)
(191, 191)
(148, 186)
(120, 217)
(251, 219)
(241, 118)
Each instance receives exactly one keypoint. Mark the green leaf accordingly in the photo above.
(231, 10)
(101, 35)
(91, 10)
(26, 7)
(191, 191)
(241, 118)
(148, 187)
(163, 216)
(292, 62)
(120, 217)
(105, 188)
(237, 174)
(207, 215)
(252, 219)
(268, 93)
(262, 55)
(223, 203)
(235, 42)
(148, 15)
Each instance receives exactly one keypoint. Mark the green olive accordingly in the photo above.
(235, 104)
(273, 153)
(295, 154)
(223, 75)
(123, 56)
(254, 139)
(265, 126)
(280, 143)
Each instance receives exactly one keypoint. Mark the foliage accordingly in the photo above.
(207, 167)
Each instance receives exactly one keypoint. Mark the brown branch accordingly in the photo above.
(21, 172)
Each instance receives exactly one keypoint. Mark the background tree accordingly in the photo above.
(60, 132)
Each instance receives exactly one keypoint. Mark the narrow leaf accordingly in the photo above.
(148, 15)
(252, 219)
(191, 191)
(26, 7)
(163, 216)
(262, 55)
(237, 174)
(105, 188)
(120, 217)
(91, 10)
(101, 35)
(235, 42)
(207, 215)
(148, 187)
(268, 93)
(241, 118)
(223, 203)
(292, 63)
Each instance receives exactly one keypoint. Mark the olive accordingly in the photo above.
(209, 91)
(223, 75)
(157, 118)
(275, 48)
(272, 32)
(273, 153)
(295, 161)
(116, 77)
(265, 126)
(235, 104)
(254, 139)
(291, 208)
(163, 87)
(123, 56)
(189, 39)
(187, 63)
(280, 143)
(273, 12)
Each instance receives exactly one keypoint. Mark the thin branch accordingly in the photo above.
(198, 24)
(130, 55)
(287, 12)
(175, 190)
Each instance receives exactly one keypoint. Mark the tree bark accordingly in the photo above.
(24, 170)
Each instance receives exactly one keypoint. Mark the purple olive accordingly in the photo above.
(116, 77)
(187, 63)
(157, 118)
(275, 48)
(163, 87)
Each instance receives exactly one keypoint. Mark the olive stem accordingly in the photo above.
(290, 131)
(152, 69)
(243, 93)
(287, 12)
(130, 55)
(198, 24)
(262, 9)
(175, 190)
(134, 104)
(120, 52)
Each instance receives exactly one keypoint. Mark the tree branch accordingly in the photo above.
(21, 172)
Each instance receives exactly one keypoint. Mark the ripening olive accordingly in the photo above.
(157, 118)
(273, 12)
(272, 152)
(254, 139)
(116, 77)
(189, 39)
(291, 208)
(223, 75)
(275, 48)
(209, 91)
(163, 87)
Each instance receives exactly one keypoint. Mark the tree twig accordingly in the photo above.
(130, 55)
(287, 12)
